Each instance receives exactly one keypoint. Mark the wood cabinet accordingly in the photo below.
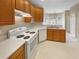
(27, 7)
(49, 34)
(20, 5)
(62, 34)
(27, 19)
(33, 11)
(19, 53)
(55, 34)
(37, 14)
(58, 35)
(7, 12)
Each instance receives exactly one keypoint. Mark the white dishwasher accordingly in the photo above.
(42, 35)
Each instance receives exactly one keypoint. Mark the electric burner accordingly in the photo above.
(28, 32)
(26, 37)
(32, 32)
(20, 36)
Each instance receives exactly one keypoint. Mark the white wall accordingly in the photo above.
(72, 24)
(67, 20)
(75, 10)
(77, 26)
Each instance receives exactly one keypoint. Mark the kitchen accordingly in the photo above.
(27, 28)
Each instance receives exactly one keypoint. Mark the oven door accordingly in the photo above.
(32, 47)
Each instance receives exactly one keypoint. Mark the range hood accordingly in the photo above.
(21, 13)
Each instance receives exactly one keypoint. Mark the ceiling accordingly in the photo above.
(55, 5)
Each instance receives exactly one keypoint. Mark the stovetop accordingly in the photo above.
(30, 32)
(26, 35)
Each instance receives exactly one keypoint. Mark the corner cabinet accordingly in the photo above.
(7, 16)
(58, 35)
(37, 14)
(19, 53)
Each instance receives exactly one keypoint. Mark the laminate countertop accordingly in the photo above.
(9, 46)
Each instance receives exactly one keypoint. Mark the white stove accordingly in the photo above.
(30, 37)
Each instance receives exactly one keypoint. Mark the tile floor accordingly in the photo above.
(56, 50)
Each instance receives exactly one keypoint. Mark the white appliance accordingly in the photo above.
(42, 35)
(30, 37)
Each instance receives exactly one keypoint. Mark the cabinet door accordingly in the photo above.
(33, 11)
(27, 7)
(21, 56)
(39, 15)
(62, 36)
(19, 53)
(49, 34)
(20, 5)
(55, 34)
(7, 12)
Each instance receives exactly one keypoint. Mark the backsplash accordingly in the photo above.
(19, 21)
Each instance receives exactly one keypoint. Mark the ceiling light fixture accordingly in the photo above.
(42, 0)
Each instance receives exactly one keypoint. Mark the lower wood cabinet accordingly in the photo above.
(58, 35)
(19, 53)
(49, 34)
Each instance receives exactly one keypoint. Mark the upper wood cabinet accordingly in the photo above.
(7, 12)
(27, 7)
(38, 14)
(33, 11)
(20, 5)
